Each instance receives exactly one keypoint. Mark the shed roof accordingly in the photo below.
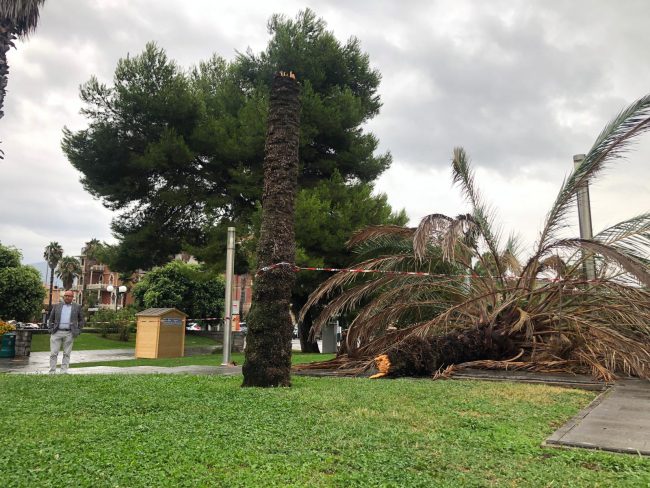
(157, 312)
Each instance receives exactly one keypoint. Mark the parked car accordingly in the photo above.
(192, 326)
(31, 326)
(243, 327)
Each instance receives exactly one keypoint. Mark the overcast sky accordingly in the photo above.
(521, 85)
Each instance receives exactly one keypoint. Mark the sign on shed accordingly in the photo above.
(160, 333)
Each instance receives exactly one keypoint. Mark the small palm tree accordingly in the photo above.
(18, 18)
(53, 254)
(492, 310)
(68, 269)
(92, 247)
(90, 251)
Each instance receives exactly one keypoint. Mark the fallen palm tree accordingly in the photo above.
(476, 304)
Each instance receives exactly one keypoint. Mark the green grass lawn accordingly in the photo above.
(88, 341)
(200, 360)
(169, 430)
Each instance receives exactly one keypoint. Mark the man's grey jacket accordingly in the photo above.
(77, 321)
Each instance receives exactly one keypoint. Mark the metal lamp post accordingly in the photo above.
(230, 265)
(584, 219)
(118, 291)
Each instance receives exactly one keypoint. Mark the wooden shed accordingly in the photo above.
(160, 333)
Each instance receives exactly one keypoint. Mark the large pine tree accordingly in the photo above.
(268, 350)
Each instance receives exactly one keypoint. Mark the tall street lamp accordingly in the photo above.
(118, 291)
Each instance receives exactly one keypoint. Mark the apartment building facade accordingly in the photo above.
(98, 286)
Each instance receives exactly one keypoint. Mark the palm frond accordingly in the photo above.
(430, 229)
(631, 236)
(479, 315)
(342, 279)
(610, 145)
(463, 176)
(510, 256)
(628, 263)
(379, 232)
(23, 14)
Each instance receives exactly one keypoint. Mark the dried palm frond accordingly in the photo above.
(463, 176)
(510, 255)
(631, 236)
(612, 142)
(379, 232)
(631, 265)
(555, 263)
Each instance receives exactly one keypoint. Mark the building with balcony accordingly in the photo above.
(57, 295)
(93, 285)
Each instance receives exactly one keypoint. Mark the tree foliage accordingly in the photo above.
(21, 290)
(9, 257)
(183, 286)
(67, 270)
(179, 152)
(53, 254)
(327, 215)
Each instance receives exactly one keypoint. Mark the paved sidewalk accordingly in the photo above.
(193, 370)
(617, 420)
(39, 362)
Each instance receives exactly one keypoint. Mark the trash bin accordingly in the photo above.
(8, 345)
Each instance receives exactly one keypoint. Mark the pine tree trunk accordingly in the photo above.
(268, 342)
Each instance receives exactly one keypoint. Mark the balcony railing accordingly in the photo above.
(96, 286)
(97, 267)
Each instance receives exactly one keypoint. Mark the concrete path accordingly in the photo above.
(193, 370)
(617, 420)
(39, 362)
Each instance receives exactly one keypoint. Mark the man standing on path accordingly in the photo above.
(65, 322)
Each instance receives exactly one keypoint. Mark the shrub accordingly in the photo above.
(5, 327)
(120, 322)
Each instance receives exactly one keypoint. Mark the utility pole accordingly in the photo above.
(584, 219)
(227, 321)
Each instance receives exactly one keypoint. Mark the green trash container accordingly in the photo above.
(8, 345)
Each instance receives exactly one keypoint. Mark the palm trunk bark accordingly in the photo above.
(423, 356)
(268, 342)
(49, 304)
(7, 38)
(304, 327)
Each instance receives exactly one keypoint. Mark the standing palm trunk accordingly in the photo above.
(268, 349)
(53, 254)
(17, 19)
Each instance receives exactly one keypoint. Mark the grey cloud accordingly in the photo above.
(493, 77)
